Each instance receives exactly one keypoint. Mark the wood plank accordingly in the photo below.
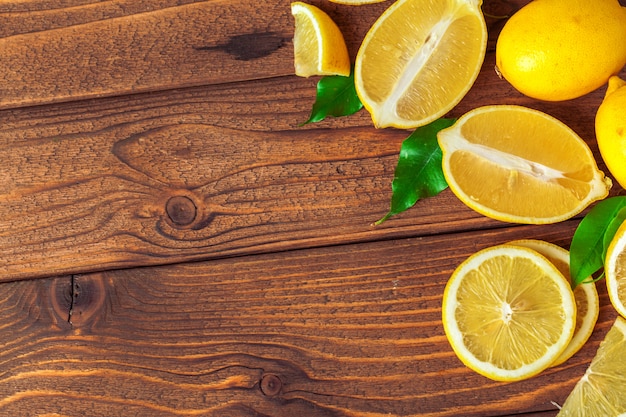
(66, 50)
(61, 50)
(344, 331)
(84, 186)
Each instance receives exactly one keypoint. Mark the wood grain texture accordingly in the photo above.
(84, 186)
(346, 331)
(61, 50)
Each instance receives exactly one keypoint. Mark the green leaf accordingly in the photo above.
(589, 244)
(336, 96)
(418, 173)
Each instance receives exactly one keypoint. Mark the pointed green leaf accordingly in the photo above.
(418, 173)
(336, 96)
(588, 247)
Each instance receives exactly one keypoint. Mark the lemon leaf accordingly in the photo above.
(336, 96)
(592, 236)
(418, 174)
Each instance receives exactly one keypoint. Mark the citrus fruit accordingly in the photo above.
(319, 46)
(419, 59)
(520, 165)
(585, 295)
(508, 312)
(562, 49)
(611, 129)
(615, 270)
(600, 392)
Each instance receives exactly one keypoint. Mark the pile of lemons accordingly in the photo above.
(509, 311)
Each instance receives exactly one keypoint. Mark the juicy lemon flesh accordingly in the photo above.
(419, 60)
(615, 270)
(319, 45)
(600, 392)
(585, 295)
(514, 314)
(558, 50)
(506, 313)
(519, 165)
(611, 129)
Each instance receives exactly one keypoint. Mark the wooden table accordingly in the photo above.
(173, 243)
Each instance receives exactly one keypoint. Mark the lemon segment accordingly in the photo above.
(600, 392)
(319, 45)
(508, 313)
(585, 295)
(519, 165)
(615, 270)
(610, 126)
(419, 59)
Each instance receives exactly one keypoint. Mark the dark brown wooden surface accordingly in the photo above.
(173, 243)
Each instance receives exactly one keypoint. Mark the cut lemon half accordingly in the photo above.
(508, 312)
(419, 59)
(319, 46)
(615, 270)
(600, 392)
(586, 295)
(520, 165)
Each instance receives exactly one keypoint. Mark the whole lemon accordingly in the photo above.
(611, 129)
(562, 49)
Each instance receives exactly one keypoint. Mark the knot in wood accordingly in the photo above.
(271, 385)
(181, 210)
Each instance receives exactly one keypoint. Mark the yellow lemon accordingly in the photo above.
(419, 59)
(611, 129)
(520, 165)
(600, 391)
(562, 49)
(508, 312)
(319, 46)
(586, 295)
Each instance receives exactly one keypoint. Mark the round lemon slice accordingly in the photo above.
(508, 312)
(615, 270)
(419, 59)
(586, 295)
(319, 46)
(520, 165)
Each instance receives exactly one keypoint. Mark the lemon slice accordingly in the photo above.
(508, 313)
(319, 46)
(615, 270)
(586, 295)
(520, 165)
(600, 392)
(419, 59)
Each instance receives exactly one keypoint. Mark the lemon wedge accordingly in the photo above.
(600, 392)
(319, 45)
(419, 59)
(520, 165)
